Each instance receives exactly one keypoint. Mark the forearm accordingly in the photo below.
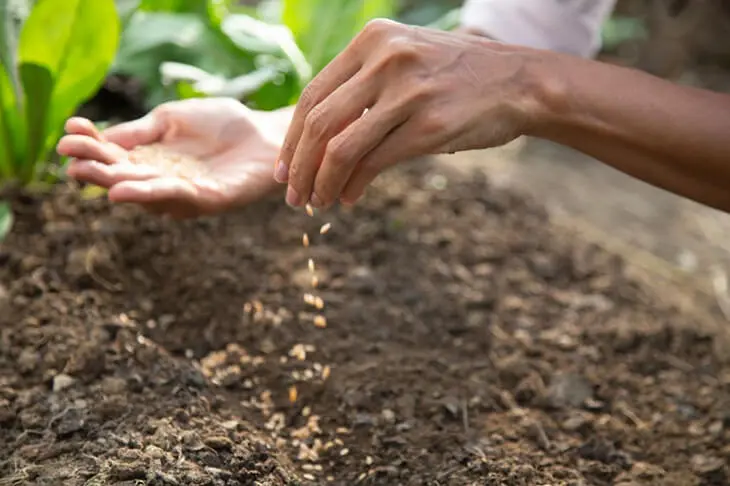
(671, 136)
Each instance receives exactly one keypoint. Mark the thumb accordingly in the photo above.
(142, 131)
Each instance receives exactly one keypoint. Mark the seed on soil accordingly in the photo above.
(309, 209)
(305, 240)
(311, 265)
(309, 299)
(369, 460)
(344, 452)
(325, 228)
(298, 352)
(320, 321)
(315, 282)
(292, 394)
(319, 303)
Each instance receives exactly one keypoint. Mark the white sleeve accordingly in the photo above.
(569, 26)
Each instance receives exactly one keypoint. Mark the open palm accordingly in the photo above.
(226, 156)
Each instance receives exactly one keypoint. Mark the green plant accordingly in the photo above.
(55, 55)
(323, 28)
(181, 48)
(263, 56)
(6, 220)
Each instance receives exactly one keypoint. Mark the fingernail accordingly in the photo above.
(281, 173)
(292, 197)
(316, 201)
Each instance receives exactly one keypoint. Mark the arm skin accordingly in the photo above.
(671, 136)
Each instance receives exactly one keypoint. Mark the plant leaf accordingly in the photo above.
(76, 41)
(13, 14)
(152, 38)
(323, 28)
(12, 137)
(38, 86)
(6, 219)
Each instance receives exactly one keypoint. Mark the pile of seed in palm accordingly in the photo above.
(168, 161)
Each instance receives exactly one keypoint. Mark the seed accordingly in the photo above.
(369, 460)
(326, 372)
(325, 228)
(320, 321)
(344, 451)
(309, 299)
(292, 394)
(308, 208)
(315, 281)
(308, 477)
(305, 240)
(362, 476)
(311, 265)
(319, 303)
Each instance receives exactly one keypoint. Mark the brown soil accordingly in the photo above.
(467, 343)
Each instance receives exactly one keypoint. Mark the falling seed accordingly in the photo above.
(308, 208)
(325, 228)
(319, 303)
(292, 394)
(320, 321)
(305, 240)
(311, 265)
(315, 281)
(326, 372)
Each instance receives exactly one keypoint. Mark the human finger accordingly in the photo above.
(343, 67)
(82, 126)
(324, 122)
(345, 151)
(161, 191)
(85, 147)
(142, 131)
(104, 175)
(394, 149)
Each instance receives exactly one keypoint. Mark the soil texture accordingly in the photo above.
(467, 342)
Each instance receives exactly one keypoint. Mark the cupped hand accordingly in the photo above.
(395, 93)
(237, 146)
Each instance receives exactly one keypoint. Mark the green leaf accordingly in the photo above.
(323, 28)
(12, 16)
(38, 86)
(252, 35)
(11, 137)
(6, 220)
(76, 41)
(153, 38)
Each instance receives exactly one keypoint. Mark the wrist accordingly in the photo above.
(543, 95)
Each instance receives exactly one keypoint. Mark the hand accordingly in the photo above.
(425, 92)
(237, 146)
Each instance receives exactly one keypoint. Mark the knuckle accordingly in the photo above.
(337, 151)
(432, 123)
(316, 124)
(379, 27)
(307, 100)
